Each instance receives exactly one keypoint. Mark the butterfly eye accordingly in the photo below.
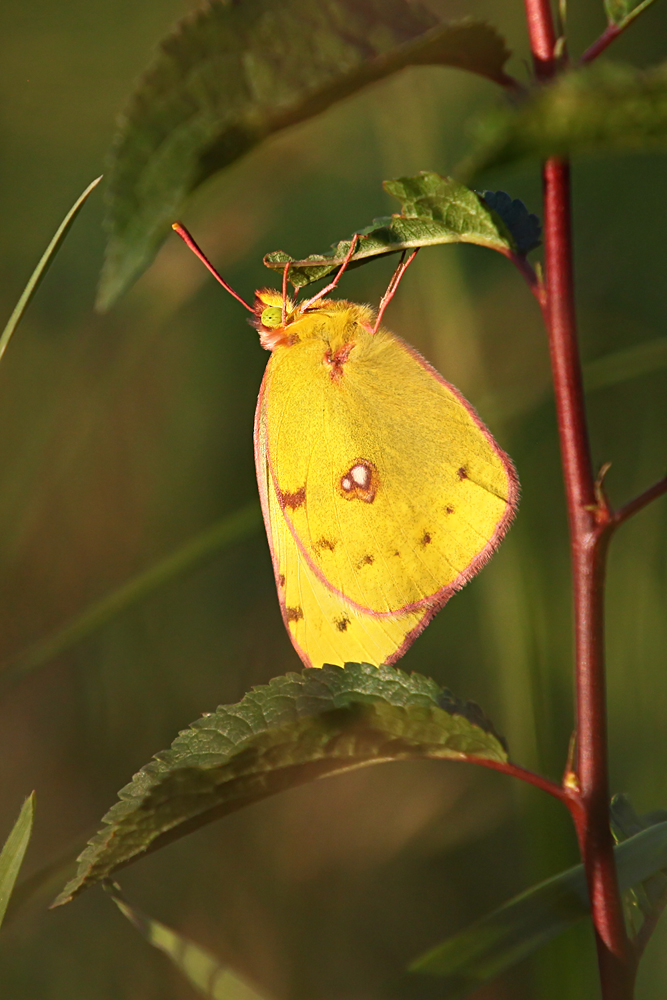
(272, 316)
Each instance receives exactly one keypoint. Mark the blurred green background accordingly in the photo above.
(124, 435)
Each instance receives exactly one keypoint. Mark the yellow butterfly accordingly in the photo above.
(382, 491)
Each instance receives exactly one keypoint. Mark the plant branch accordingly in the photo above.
(611, 32)
(633, 506)
(589, 796)
(587, 786)
(542, 34)
(589, 800)
(515, 771)
(528, 272)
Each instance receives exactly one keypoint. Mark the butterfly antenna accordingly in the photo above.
(339, 274)
(393, 285)
(185, 236)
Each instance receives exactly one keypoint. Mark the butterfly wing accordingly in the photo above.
(323, 626)
(392, 488)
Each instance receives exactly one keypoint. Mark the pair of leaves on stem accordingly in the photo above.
(230, 75)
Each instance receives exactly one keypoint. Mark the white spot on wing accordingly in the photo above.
(361, 474)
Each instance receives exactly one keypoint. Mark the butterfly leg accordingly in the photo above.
(339, 274)
(403, 265)
(284, 306)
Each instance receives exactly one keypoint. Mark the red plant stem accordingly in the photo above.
(611, 32)
(589, 537)
(515, 771)
(590, 523)
(652, 493)
(542, 37)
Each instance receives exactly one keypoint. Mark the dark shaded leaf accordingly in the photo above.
(523, 225)
(11, 856)
(604, 106)
(434, 210)
(231, 74)
(208, 976)
(292, 730)
(621, 12)
(505, 936)
(646, 899)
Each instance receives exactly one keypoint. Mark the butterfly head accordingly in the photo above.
(273, 317)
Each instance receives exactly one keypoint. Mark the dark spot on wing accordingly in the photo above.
(449, 510)
(426, 539)
(341, 624)
(397, 553)
(293, 614)
(281, 580)
(462, 472)
(366, 561)
(292, 500)
(325, 543)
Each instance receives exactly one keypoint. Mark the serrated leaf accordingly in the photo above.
(604, 106)
(231, 74)
(11, 856)
(621, 12)
(202, 970)
(503, 937)
(292, 730)
(434, 210)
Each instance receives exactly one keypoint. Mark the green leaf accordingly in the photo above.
(200, 968)
(434, 210)
(42, 267)
(231, 74)
(290, 731)
(622, 12)
(11, 856)
(604, 106)
(505, 936)
(193, 553)
(645, 900)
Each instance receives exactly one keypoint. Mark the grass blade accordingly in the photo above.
(43, 266)
(230, 529)
(11, 856)
(200, 968)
